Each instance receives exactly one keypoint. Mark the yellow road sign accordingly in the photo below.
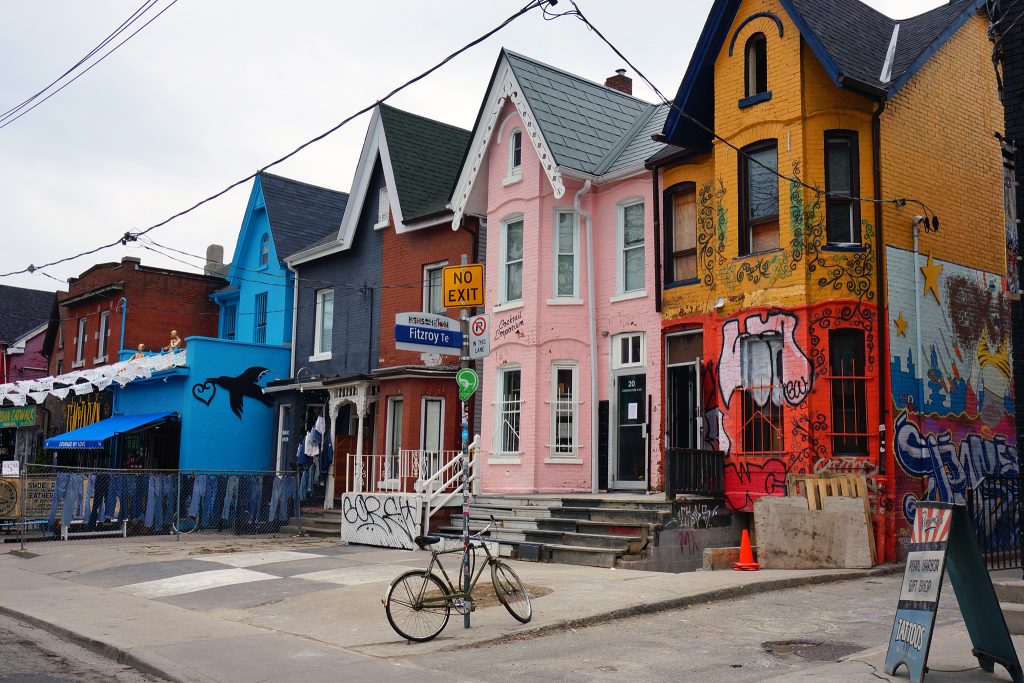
(463, 285)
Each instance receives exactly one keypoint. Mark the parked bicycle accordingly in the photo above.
(419, 602)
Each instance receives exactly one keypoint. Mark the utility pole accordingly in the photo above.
(464, 363)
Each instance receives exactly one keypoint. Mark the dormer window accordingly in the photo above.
(756, 65)
(265, 251)
(515, 153)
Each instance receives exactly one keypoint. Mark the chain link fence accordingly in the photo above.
(62, 503)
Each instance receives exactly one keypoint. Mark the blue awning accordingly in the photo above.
(92, 436)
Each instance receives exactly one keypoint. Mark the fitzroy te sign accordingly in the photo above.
(428, 333)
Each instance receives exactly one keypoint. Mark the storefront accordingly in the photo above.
(21, 429)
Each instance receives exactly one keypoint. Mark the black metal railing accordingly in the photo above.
(994, 508)
(693, 470)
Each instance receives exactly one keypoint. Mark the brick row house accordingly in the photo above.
(809, 328)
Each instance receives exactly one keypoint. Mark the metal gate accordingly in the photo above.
(994, 508)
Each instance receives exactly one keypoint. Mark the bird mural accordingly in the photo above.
(242, 386)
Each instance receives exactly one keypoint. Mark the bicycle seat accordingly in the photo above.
(424, 541)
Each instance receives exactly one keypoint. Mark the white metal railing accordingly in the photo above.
(404, 472)
(446, 483)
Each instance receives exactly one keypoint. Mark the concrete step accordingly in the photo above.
(524, 511)
(514, 500)
(503, 522)
(586, 526)
(612, 515)
(656, 503)
(582, 555)
(1010, 591)
(1013, 612)
(626, 544)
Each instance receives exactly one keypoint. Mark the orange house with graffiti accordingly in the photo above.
(833, 273)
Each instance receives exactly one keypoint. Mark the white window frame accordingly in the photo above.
(101, 338)
(573, 453)
(427, 270)
(497, 453)
(505, 303)
(515, 171)
(383, 481)
(620, 255)
(80, 343)
(282, 450)
(574, 296)
(318, 351)
(616, 351)
(430, 464)
(383, 208)
(264, 251)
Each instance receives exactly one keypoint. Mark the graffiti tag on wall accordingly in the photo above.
(383, 520)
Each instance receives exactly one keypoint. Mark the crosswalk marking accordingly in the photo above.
(257, 558)
(355, 576)
(190, 583)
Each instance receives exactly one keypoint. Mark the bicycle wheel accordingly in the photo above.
(511, 592)
(407, 613)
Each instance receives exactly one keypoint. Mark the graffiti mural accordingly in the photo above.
(952, 391)
(385, 520)
(245, 385)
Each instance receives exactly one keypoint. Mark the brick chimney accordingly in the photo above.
(620, 81)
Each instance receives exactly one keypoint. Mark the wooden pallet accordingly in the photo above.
(816, 487)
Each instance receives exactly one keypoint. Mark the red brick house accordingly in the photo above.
(146, 302)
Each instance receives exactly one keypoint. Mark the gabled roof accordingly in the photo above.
(425, 157)
(575, 125)
(300, 214)
(850, 39)
(22, 310)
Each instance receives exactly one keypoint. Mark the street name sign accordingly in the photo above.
(463, 286)
(428, 332)
(480, 336)
(942, 538)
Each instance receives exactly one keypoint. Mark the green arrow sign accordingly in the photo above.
(468, 381)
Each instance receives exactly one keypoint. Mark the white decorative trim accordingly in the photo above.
(639, 294)
(510, 306)
(320, 356)
(555, 460)
(564, 302)
(504, 459)
(505, 87)
(512, 180)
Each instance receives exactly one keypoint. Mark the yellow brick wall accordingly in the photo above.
(938, 146)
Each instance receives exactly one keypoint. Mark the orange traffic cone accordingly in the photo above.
(746, 562)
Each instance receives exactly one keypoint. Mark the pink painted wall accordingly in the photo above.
(19, 366)
(551, 332)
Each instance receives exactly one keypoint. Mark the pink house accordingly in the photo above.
(570, 391)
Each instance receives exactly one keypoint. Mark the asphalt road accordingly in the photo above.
(779, 636)
(31, 655)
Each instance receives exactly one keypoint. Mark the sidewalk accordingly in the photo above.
(304, 609)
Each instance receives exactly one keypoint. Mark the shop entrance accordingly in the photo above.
(684, 414)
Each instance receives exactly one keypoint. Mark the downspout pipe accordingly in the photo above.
(887, 537)
(124, 317)
(295, 313)
(592, 329)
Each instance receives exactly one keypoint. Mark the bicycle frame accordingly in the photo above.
(453, 593)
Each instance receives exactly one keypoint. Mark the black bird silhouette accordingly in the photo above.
(244, 385)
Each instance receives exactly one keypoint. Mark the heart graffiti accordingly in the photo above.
(199, 391)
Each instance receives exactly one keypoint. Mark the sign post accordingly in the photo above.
(942, 537)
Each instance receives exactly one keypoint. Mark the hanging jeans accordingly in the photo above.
(117, 499)
(160, 500)
(282, 497)
(101, 504)
(88, 491)
(204, 491)
(230, 497)
(67, 488)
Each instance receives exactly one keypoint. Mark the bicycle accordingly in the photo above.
(422, 603)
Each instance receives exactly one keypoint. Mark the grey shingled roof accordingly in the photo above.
(587, 126)
(426, 157)
(641, 146)
(300, 214)
(857, 36)
(22, 310)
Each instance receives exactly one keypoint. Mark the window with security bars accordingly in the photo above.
(509, 410)
(563, 411)
(230, 321)
(849, 401)
(761, 359)
(259, 330)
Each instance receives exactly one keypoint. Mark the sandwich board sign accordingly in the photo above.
(429, 333)
(941, 540)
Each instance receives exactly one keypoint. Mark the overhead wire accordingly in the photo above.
(114, 49)
(133, 235)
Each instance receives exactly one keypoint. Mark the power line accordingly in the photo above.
(133, 235)
(11, 119)
(931, 218)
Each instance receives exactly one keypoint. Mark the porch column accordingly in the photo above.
(333, 407)
(361, 405)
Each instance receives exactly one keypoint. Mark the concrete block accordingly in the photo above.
(792, 537)
(722, 558)
(850, 531)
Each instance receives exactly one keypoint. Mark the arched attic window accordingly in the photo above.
(756, 66)
(515, 152)
(265, 250)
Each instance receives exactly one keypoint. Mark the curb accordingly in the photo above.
(718, 595)
(119, 655)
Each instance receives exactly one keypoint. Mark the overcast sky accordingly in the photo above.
(214, 89)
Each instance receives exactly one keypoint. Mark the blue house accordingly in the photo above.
(283, 216)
